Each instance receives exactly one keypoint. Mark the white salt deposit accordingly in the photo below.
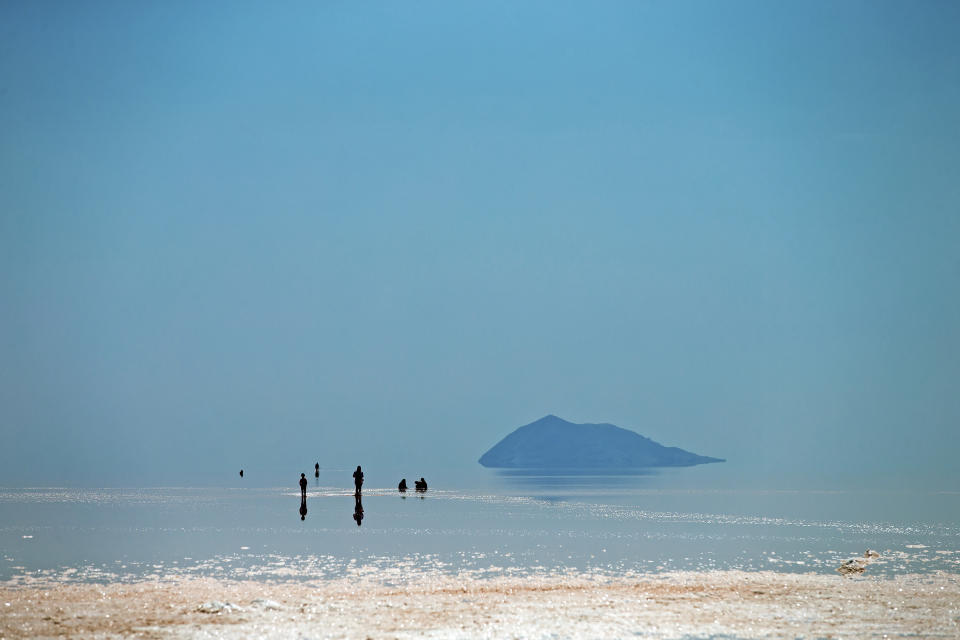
(215, 606)
(435, 605)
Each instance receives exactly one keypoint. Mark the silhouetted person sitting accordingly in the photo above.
(316, 470)
(358, 479)
(358, 509)
(402, 486)
(241, 473)
(303, 485)
(420, 485)
(303, 507)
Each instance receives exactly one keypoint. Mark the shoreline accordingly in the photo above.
(573, 605)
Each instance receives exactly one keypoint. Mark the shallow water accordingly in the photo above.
(502, 525)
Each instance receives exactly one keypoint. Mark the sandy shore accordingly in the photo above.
(675, 605)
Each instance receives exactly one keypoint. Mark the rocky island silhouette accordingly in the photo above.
(554, 443)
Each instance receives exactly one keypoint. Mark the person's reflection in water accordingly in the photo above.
(358, 509)
(303, 507)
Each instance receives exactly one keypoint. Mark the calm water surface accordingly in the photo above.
(484, 523)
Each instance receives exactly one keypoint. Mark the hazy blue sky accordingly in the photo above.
(253, 233)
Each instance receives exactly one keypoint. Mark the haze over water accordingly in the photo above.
(237, 237)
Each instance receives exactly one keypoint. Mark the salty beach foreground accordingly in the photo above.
(594, 560)
(573, 605)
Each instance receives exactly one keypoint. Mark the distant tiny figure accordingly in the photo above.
(303, 507)
(303, 485)
(358, 479)
(241, 473)
(420, 485)
(358, 509)
(316, 470)
(402, 486)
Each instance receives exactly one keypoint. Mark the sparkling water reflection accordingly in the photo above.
(531, 526)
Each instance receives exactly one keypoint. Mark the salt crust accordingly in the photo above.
(427, 605)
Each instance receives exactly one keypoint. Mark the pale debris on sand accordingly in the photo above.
(674, 605)
(856, 566)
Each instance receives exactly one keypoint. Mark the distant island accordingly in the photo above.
(554, 443)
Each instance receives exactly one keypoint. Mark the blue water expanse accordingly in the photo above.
(481, 523)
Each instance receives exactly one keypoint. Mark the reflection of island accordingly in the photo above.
(358, 509)
(554, 443)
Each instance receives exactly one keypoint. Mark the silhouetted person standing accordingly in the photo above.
(358, 509)
(402, 486)
(303, 507)
(303, 486)
(358, 479)
(316, 470)
(241, 473)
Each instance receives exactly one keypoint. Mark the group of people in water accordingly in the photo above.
(419, 485)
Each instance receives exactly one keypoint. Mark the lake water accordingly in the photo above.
(482, 523)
